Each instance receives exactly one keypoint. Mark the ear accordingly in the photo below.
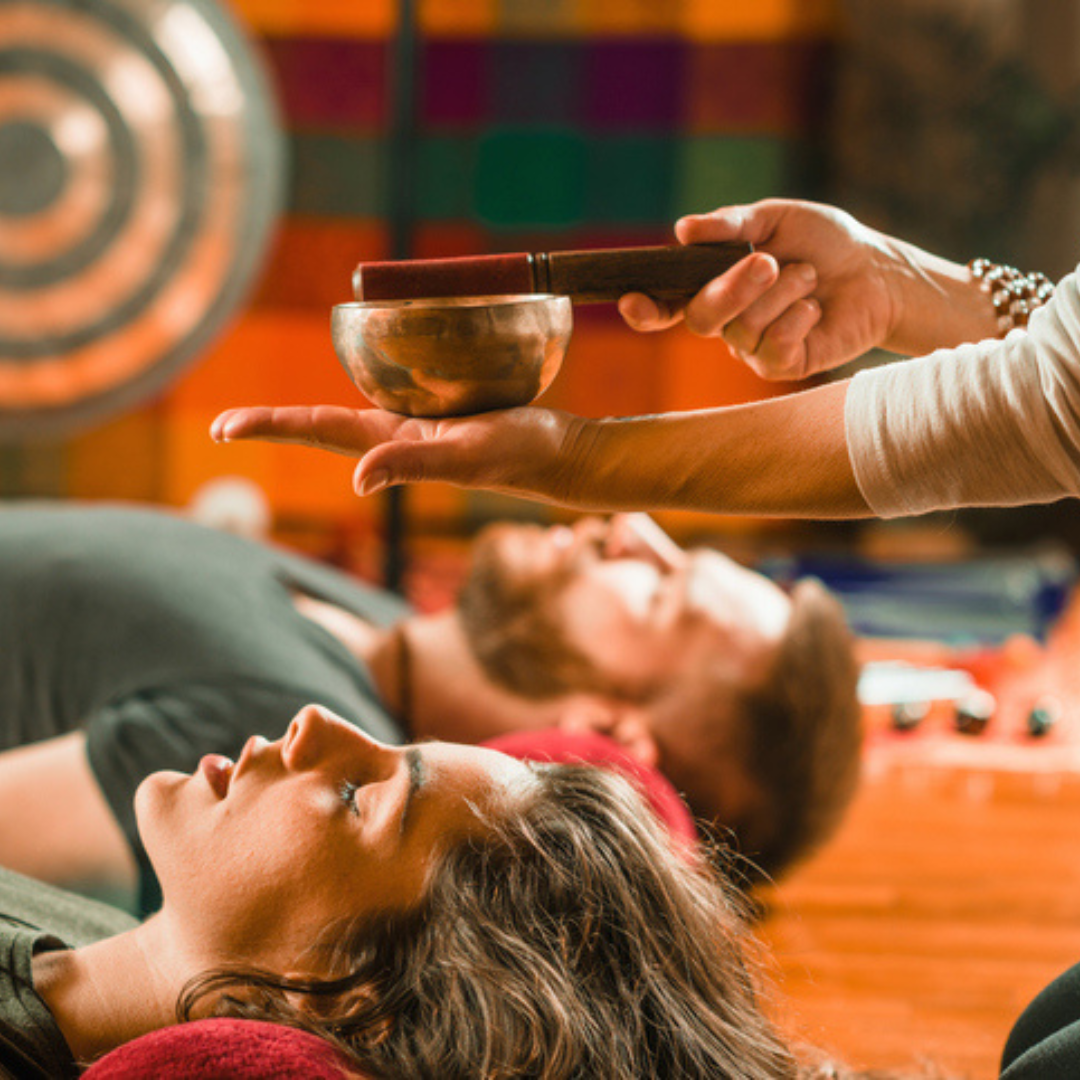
(625, 724)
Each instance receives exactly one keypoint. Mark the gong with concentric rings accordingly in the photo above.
(140, 177)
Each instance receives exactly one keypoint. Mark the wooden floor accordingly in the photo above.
(951, 894)
(945, 904)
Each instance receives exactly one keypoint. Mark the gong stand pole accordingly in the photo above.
(401, 189)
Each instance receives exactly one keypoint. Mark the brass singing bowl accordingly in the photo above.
(454, 356)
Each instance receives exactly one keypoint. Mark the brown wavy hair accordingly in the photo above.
(804, 736)
(570, 941)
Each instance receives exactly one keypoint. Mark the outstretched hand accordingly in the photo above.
(815, 293)
(740, 459)
(526, 451)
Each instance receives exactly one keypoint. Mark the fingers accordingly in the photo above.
(524, 450)
(754, 224)
(459, 450)
(400, 463)
(644, 314)
(783, 351)
(725, 298)
(327, 427)
(393, 449)
(762, 310)
(745, 332)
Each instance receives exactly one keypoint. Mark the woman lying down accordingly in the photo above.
(435, 910)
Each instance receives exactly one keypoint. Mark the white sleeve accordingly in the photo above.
(990, 424)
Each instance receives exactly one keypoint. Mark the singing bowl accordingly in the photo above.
(454, 356)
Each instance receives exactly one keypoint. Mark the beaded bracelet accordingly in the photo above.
(1014, 295)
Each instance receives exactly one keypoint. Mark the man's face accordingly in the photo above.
(596, 607)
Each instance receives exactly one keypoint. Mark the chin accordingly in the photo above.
(160, 781)
(154, 796)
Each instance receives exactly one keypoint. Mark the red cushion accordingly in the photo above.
(554, 744)
(215, 1049)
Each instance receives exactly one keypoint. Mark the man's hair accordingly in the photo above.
(802, 735)
(796, 733)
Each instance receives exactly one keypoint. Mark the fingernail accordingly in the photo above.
(373, 482)
(808, 274)
(761, 273)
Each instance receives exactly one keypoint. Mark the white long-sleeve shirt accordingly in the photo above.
(995, 423)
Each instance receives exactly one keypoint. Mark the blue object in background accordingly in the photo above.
(980, 601)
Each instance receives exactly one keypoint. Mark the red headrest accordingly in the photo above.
(212, 1049)
(554, 744)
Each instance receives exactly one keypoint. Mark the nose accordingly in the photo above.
(316, 735)
(637, 536)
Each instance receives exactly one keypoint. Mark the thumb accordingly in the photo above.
(412, 462)
(752, 224)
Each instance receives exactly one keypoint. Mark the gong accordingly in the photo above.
(141, 167)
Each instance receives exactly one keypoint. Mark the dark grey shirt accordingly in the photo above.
(166, 641)
(36, 918)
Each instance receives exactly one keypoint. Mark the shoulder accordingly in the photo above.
(28, 904)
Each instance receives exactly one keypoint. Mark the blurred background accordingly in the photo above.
(187, 185)
(371, 129)
(527, 126)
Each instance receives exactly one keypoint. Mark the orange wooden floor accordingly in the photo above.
(944, 905)
(951, 894)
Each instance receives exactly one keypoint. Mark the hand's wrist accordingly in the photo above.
(1014, 295)
(606, 464)
(574, 474)
(628, 463)
(561, 458)
(936, 303)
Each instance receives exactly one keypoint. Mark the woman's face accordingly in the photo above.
(267, 854)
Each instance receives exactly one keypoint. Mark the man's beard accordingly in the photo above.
(512, 628)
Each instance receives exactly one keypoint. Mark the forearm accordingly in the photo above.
(57, 825)
(993, 423)
(784, 456)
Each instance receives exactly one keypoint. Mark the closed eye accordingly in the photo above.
(347, 790)
(417, 777)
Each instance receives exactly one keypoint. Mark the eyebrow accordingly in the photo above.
(414, 761)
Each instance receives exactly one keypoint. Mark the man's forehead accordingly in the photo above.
(731, 592)
(714, 574)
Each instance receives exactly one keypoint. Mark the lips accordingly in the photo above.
(218, 771)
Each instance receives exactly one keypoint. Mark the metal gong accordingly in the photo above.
(140, 176)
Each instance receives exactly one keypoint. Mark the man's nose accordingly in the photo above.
(637, 536)
(317, 734)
